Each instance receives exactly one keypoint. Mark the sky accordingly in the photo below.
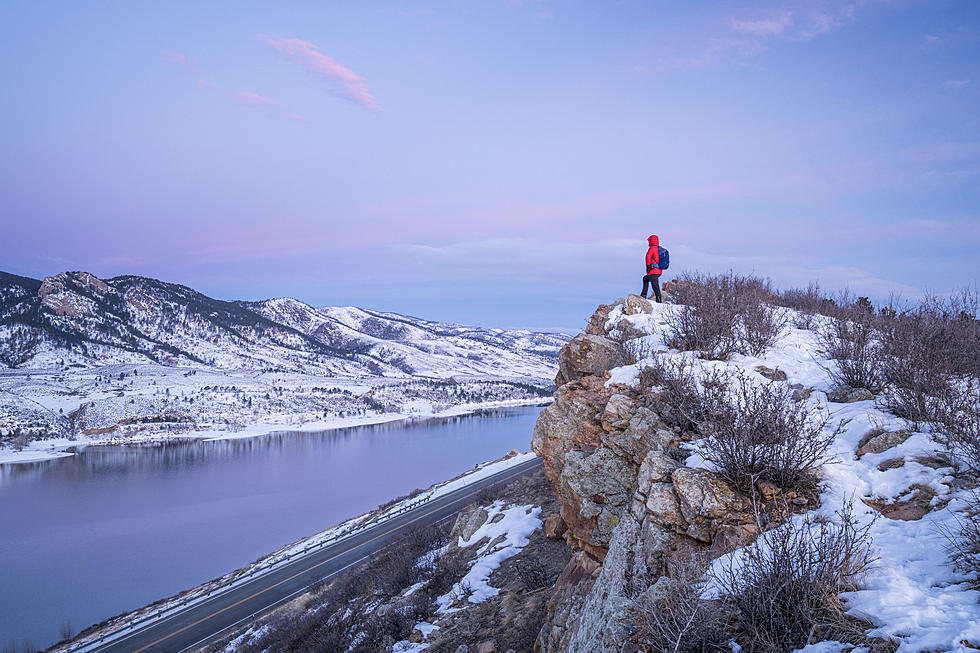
(489, 161)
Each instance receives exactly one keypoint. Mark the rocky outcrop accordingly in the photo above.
(588, 355)
(632, 510)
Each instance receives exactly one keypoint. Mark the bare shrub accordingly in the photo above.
(958, 414)
(758, 432)
(925, 349)
(724, 314)
(783, 592)
(708, 320)
(681, 391)
(963, 541)
(807, 302)
(673, 615)
(853, 342)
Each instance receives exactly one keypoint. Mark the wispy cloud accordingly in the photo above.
(176, 58)
(248, 99)
(347, 84)
(773, 25)
(956, 83)
(295, 117)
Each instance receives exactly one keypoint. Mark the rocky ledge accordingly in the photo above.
(630, 510)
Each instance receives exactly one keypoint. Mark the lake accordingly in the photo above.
(114, 528)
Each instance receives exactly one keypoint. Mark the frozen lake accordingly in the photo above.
(114, 528)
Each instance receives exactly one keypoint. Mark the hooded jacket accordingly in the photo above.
(653, 256)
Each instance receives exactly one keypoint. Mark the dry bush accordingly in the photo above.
(958, 414)
(783, 592)
(674, 615)
(807, 302)
(963, 541)
(928, 349)
(680, 390)
(853, 342)
(724, 314)
(758, 432)
(708, 320)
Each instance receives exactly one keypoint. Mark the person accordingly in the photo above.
(652, 277)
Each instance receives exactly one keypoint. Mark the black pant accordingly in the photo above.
(652, 280)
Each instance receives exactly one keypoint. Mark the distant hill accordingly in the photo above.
(76, 319)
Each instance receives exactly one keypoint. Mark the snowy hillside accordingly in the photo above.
(74, 318)
(132, 357)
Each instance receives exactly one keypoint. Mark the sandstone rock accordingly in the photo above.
(466, 524)
(845, 394)
(802, 394)
(554, 527)
(618, 412)
(565, 604)
(767, 490)
(703, 495)
(656, 468)
(604, 621)
(596, 326)
(663, 505)
(569, 423)
(635, 304)
(884, 442)
(588, 355)
(416, 636)
(891, 463)
(487, 646)
(771, 374)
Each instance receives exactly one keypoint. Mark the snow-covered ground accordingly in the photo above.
(148, 403)
(912, 594)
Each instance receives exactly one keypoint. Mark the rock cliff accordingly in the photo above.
(632, 511)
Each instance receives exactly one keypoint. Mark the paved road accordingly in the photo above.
(200, 623)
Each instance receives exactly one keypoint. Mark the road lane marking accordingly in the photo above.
(319, 564)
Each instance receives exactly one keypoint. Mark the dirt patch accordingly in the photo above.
(912, 509)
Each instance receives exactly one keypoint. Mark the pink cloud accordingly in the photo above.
(176, 59)
(295, 117)
(245, 98)
(348, 84)
(203, 83)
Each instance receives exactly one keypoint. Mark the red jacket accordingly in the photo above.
(653, 255)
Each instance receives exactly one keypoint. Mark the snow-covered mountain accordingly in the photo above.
(77, 319)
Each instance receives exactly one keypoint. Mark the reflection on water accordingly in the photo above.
(113, 528)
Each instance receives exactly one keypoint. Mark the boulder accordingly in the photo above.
(618, 412)
(884, 442)
(466, 524)
(703, 495)
(416, 636)
(588, 355)
(635, 304)
(663, 506)
(554, 527)
(597, 323)
(845, 394)
(771, 374)
(656, 468)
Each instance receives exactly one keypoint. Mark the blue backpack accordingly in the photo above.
(664, 258)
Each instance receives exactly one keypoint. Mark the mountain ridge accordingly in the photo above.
(77, 319)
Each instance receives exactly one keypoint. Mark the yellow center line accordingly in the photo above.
(300, 573)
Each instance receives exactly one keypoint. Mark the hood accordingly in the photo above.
(654, 241)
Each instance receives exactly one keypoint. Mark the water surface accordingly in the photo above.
(114, 528)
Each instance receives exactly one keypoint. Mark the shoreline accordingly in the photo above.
(55, 448)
